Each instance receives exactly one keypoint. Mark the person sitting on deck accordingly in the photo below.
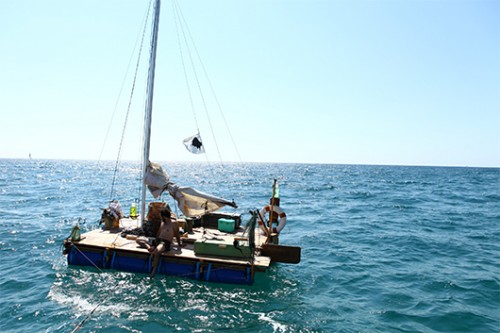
(111, 216)
(116, 209)
(166, 232)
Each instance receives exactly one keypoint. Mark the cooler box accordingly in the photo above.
(226, 225)
(211, 220)
(222, 248)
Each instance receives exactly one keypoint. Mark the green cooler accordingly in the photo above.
(226, 225)
(222, 248)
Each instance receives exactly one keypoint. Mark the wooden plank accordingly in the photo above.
(282, 253)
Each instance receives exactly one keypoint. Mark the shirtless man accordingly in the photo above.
(166, 232)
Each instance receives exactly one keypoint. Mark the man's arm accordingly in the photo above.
(176, 232)
(160, 228)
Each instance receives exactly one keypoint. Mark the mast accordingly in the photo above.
(149, 105)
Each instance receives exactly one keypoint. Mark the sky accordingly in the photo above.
(298, 81)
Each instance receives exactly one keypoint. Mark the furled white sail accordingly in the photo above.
(191, 202)
(156, 179)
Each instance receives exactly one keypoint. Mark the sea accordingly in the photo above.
(384, 249)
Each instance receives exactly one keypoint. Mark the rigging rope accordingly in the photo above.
(178, 13)
(251, 259)
(80, 324)
(178, 23)
(188, 86)
(120, 94)
(181, 16)
(129, 104)
(183, 29)
(251, 262)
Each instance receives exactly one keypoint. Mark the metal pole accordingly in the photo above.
(149, 106)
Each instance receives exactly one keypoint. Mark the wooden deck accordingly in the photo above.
(113, 240)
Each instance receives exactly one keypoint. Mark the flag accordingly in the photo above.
(194, 144)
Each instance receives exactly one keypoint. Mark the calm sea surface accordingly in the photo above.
(385, 249)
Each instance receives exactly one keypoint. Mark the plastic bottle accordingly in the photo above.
(133, 210)
(277, 191)
(75, 232)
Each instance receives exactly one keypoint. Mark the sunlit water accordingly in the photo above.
(385, 249)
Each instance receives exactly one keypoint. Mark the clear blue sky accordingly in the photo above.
(363, 82)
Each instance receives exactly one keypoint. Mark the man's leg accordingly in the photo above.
(156, 257)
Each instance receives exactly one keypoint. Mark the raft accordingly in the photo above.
(208, 254)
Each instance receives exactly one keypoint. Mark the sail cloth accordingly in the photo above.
(156, 179)
(191, 202)
(194, 145)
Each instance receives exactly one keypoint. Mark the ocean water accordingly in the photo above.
(384, 249)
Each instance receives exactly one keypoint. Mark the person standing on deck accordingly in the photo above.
(169, 228)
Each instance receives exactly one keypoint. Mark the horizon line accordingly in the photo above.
(252, 162)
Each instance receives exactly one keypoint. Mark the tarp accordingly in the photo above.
(190, 201)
